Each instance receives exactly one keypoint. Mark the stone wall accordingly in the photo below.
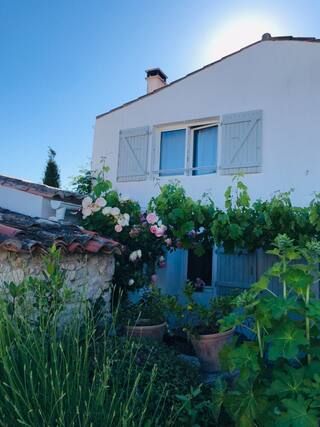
(88, 275)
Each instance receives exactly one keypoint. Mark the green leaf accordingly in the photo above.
(261, 285)
(298, 414)
(245, 405)
(286, 341)
(235, 231)
(314, 309)
(287, 383)
(243, 358)
(278, 307)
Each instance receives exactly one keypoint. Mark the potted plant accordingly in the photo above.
(145, 318)
(202, 325)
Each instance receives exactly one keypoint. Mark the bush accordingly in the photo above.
(278, 378)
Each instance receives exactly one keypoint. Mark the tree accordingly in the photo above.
(51, 174)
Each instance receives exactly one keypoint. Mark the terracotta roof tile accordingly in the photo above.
(22, 233)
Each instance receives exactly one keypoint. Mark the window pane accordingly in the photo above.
(200, 268)
(172, 152)
(205, 150)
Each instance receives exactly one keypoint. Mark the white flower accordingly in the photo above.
(101, 202)
(86, 202)
(86, 212)
(115, 211)
(126, 216)
(131, 282)
(123, 220)
(106, 210)
(95, 207)
(133, 256)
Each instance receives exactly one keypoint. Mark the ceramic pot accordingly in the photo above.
(155, 332)
(208, 347)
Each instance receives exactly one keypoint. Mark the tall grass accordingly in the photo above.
(69, 379)
(68, 371)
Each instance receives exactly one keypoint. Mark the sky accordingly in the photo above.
(62, 62)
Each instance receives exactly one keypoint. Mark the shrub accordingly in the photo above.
(79, 374)
(278, 381)
(105, 211)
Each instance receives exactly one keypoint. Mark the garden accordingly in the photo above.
(247, 359)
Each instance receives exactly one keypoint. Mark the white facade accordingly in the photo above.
(25, 203)
(275, 80)
(280, 78)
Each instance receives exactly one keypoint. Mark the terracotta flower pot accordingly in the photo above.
(155, 332)
(208, 347)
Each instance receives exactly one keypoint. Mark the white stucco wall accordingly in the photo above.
(282, 78)
(25, 203)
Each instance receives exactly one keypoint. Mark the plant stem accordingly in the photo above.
(308, 322)
(259, 339)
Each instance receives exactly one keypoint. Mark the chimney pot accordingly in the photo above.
(155, 79)
(266, 36)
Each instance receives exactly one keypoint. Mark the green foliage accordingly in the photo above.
(278, 372)
(241, 225)
(83, 183)
(196, 318)
(151, 309)
(72, 376)
(51, 174)
(188, 220)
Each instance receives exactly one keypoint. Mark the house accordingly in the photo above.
(255, 111)
(29, 228)
(37, 200)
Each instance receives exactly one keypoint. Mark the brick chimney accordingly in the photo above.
(155, 79)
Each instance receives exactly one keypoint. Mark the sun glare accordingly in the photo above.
(237, 33)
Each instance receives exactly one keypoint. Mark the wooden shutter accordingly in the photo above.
(241, 142)
(133, 154)
(234, 272)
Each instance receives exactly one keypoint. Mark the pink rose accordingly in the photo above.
(152, 218)
(118, 228)
(153, 229)
(160, 231)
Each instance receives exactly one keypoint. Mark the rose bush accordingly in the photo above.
(142, 234)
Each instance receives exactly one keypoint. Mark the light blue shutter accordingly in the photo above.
(133, 154)
(235, 272)
(241, 142)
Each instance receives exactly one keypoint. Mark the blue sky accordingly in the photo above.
(62, 62)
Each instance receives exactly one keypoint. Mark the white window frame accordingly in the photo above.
(191, 168)
(189, 126)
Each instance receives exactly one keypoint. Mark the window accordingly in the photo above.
(172, 152)
(205, 150)
(200, 268)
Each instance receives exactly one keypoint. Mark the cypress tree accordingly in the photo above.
(51, 174)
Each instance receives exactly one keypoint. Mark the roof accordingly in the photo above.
(265, 37)
(25, 234)
(40, 189)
